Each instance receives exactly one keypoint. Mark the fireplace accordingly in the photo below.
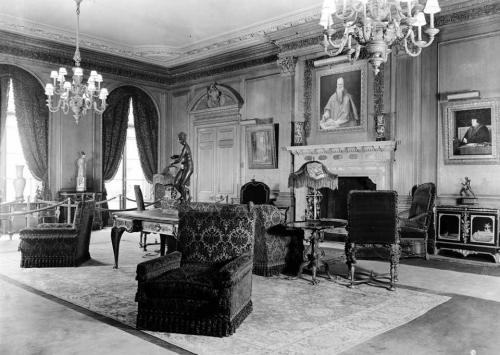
(365, 165)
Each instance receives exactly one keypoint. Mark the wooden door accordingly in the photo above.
(217, 162)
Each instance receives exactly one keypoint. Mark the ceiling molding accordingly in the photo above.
(470, 13)
(260, 45)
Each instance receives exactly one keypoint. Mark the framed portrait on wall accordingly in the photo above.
(341, 97)
(471, 131)
(261, 147)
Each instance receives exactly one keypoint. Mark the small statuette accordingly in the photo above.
(467, 196)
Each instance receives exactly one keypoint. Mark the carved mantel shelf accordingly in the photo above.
(357, 147)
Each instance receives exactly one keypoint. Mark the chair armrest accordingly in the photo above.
(414, 222)
(37, 233)
(152, 268)
(404, 214)
(232, 272)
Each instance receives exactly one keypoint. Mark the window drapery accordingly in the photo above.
(4, 90)
(115, 122)
(114, 131)
(32, 117)
(146, 132)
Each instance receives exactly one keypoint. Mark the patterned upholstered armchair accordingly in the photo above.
(416, 223)
(277, 249)
(59, 244)
(205, 287)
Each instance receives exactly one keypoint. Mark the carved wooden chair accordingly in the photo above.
(256, 192)
(372, 221)
(139, 199)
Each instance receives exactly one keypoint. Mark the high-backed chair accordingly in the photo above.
(372, 222)
(417, 222)
(139, 199)
(256, 192)
(205, 287)
(59, 244)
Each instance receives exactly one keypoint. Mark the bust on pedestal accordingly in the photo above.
(81, 180)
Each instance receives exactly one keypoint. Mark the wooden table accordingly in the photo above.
(153, 221)
(314, 253)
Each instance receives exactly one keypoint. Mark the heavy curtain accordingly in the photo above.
(115, 121)
(114, 131)
(32, 120)
(4, 90)
(146, 132)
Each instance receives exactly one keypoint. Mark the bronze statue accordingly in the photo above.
(185, 171)
(466, 189)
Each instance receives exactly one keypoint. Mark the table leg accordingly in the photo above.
(116, 236)
(163, 239)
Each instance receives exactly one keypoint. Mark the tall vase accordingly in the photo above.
(19, 183)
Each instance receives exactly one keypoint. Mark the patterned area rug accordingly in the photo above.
(289, 317)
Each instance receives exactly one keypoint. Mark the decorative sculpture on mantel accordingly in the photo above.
(467, 196)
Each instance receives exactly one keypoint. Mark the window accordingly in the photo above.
(14, 156)
(129, 172)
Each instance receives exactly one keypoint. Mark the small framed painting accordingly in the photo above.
(261, 147)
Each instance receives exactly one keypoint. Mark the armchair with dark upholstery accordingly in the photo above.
(372, 222)
(417, 222)
(59, 244)
(205, 287)
(277, 249)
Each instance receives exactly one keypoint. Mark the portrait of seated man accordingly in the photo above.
(340, 110)
(475, 140)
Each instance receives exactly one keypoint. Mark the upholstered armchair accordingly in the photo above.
(372, 223)
(416, 223)
(277, 249)
(59, 244)
(205, 287)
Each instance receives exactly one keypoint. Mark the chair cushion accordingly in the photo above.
(192, 287)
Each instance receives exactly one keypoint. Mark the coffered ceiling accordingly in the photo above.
(167, 32)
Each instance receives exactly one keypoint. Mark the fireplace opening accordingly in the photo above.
(334, 202)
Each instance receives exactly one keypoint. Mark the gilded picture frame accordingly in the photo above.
(337, 110)
(261, 147)
(471, 131)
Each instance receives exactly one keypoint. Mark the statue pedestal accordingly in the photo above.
(467, 201)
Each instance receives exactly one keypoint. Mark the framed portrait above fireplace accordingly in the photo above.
(471, 131)
(341, 97)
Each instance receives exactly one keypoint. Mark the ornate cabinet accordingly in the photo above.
(467, 230)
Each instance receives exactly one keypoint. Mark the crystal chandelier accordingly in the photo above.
(376, 25)
(75, 94)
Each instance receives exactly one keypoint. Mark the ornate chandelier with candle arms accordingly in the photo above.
(376, 25)
(75, 94)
